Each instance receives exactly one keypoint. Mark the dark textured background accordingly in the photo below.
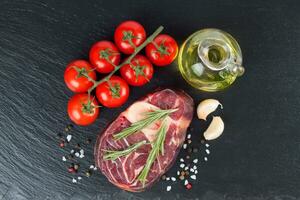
(258, 157)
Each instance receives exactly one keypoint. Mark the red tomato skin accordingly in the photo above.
(104, 94)
(138, 31)
(81, 84)
(129, 75)
(101, 64)
(162, 60)
(75, 110)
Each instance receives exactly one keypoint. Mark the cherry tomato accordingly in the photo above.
(138, 72)
(113, 93)
(162, 51)
(74, 76)
(82, 110)
(104, 55)
(128, 35)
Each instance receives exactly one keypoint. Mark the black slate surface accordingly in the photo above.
(258, 157)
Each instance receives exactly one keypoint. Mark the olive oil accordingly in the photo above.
(210, 60)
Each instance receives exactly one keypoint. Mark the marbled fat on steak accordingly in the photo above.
(123, 172)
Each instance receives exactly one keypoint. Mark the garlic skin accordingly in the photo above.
(206, 107)
(215, 129)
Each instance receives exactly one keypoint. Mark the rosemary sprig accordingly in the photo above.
(114, 154)
(157, 147)
(139, 125)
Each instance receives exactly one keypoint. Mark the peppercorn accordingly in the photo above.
(71, 169)
(88, 173)
(76, 166)
(188, 186)
(164, 177)
(62, 144)
(88, 141)
(77, 146)
(70, 126)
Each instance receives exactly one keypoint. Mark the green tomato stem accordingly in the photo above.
(128, 60)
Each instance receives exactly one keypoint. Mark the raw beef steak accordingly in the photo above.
(123, 171)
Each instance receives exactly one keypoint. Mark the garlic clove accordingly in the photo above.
(215, 129)
(206, 107)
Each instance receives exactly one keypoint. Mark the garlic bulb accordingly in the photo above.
(215, 129)
(206, 107)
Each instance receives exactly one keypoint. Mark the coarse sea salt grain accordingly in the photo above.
(186, 182)
(168, 178)
(207, 151)
(69, 137)
(193, 177)
(178, 173)
(77, 154)
(81, 156)
(81, 151)
(189, 136)
(173, 179)
(186, 168)
(92, 166)
(95, 168)
(195, 167)
(184, 146)
(207, 145)
(195, 160)
(205, 158)
(181, 160)
(79, 178)
(181, 165)
(64, 158)
(74, 180)
(169, 188)
(192, 170)
(196, 172)
(72, 151)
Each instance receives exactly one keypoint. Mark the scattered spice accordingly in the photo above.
(189, 141)
(181, 177)
(195, 161)
(188, 157)
(62, 144)
(76, 166)
(77, 146)
(169, 188)
(207, 151)
(88, 141)
(71, 169)
(64, 159)
(168, 178)
(88, 173)
(190, 150)
(193, 177)
(163, 177)
(69, 137)
(74, 180)
(188, 186)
